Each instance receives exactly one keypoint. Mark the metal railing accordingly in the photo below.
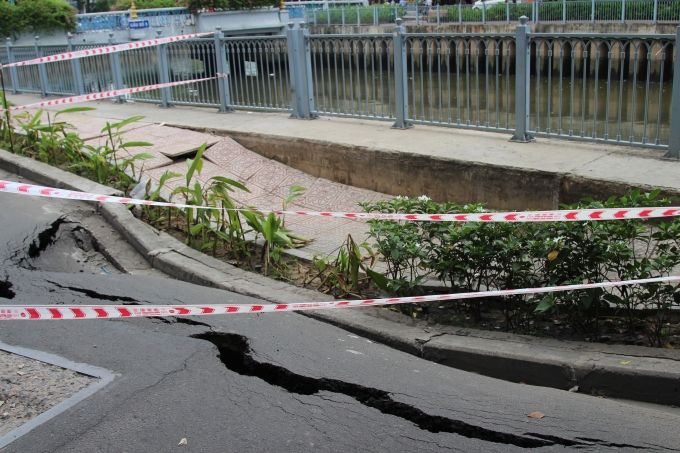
(364, 15)
(565, 11)
(608, 89)
(352, 75)
(594, 87)
(120, 20)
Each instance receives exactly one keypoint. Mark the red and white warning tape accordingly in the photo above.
(107, 94)
(538, 216)
(34, 312)
(105, 50)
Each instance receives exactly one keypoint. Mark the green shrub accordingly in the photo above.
(33, 16)
(229, 5)
(149, 4)
(478, 256)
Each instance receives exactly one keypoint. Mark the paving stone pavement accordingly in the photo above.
(268, 181)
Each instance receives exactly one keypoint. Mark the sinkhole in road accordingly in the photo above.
(6, 289)
(234, 352)
(65, 245)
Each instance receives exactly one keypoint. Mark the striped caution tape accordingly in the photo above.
(105, 50)
(45, 312)
(107, 94)
(526, 216)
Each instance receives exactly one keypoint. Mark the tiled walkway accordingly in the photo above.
(268, 181)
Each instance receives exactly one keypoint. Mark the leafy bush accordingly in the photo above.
(33, 16)
(229, 5)
(478, 256)
(149, 4)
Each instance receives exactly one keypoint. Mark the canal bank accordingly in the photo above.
(464, 166)
(621, 28)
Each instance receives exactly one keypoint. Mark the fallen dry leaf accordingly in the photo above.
(536, 415)
(182, 442)
(552, 255)
(20, 373)
(668, 346)
(523, 383)
(624, 362)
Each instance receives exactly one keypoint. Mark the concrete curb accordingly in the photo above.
(649, 375)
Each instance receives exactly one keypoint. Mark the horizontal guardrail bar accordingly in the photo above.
(248, 38)
(366, 35)
(598, 35)
(461, 35)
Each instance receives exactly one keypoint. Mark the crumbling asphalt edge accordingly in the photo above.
(594, 369)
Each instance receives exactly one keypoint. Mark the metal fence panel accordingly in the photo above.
(353, 76)
(59, 73)
(258, 73)
(140, 68)
(669, 11)
(602, 89)
(97, 73)
(28, 80)
(189, 60)
(461, 81)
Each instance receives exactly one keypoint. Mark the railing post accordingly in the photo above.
(13, 73)
(300, 64)
(592, 10)
(290, 44)
(164, 71)
(656, 10)
(400, 77)
(328, 15)
(507, 12)
(522, 62)
(78, 85)
(314, 13)
(439, 20)
(674, 132)
(343, 16)
(222, 67)
(483, 13)
(376, 19)
(564, 11)
(42, 73)
(358, 16)
(116, 70)
(623, 11)
(538, 12)
(417, 14)
(460, 12)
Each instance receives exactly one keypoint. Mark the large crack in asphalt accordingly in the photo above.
(94, 294)
(6, 289)
(235, 354)
(45, 238)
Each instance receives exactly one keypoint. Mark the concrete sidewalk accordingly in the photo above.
(631, 166)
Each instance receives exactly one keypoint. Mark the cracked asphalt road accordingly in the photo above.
(256, 383)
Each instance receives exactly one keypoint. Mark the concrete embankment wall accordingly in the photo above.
(442, 179)
(581, 27)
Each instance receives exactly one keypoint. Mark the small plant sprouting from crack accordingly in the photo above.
(235, 355)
